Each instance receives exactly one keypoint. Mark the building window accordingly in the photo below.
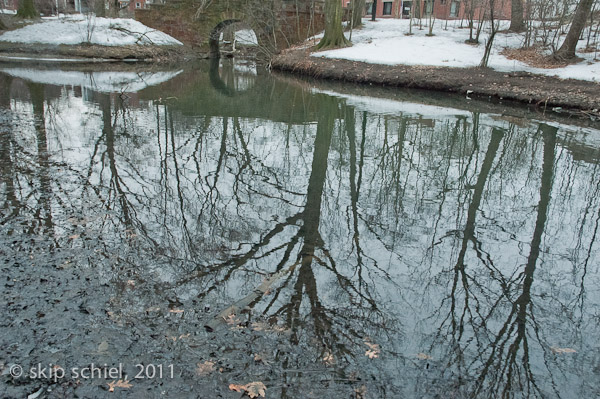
(387, 8)
(138, 5)
(406, 8)
(442, 2)
(454, 9)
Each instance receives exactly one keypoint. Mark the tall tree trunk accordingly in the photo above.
(334, 34)
(567, 50)
(358, 8)
(374, 10)
(517, 24)
(27, 10)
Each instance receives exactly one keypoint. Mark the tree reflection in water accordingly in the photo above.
(460, 245)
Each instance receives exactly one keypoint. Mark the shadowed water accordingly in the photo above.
(327, 242)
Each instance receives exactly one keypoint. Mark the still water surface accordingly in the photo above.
(324, 242)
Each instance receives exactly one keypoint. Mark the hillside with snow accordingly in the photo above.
(80, 29)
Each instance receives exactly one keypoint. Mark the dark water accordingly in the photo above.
(328, 243)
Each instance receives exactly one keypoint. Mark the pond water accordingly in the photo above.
(231, 226)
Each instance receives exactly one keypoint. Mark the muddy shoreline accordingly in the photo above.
(15, 52)
(541, 91)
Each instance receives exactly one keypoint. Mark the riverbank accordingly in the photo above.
(542, 91)
(91, 53)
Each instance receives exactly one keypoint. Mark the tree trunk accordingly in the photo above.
(517, 24)
(358, 8)
(100, 8)
(567, 50)
(374, 10)
(334, 34)
(27, 10)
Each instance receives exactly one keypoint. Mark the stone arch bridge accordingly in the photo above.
(199, 23)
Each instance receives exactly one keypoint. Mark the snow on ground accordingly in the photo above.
(89, 29)
(105, 82)
(385, 42)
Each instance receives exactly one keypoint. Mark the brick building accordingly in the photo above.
(441, 9)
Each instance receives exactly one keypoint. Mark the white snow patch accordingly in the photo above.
(246, 37)
(89, 29)
(106, 82)
(385, 42)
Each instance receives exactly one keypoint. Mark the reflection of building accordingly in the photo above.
(440, 9)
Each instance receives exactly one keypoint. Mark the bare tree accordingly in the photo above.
(358, 7)
(517, 24)
(334, 34)
(490, 42)
(27, 10)
(567, 50)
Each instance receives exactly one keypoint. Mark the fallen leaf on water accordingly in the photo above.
(259, 326)
(205, 368)
(103, 347)
(252, 389)
(562, 350)
(175, 338)
(118, 384)
(423, 356)
(231, 319)
(361, 392)
(373, 351)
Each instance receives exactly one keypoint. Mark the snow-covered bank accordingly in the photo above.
(76, 30)
(385, 42)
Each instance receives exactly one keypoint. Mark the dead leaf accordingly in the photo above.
(373, 351)
(423, 356)
(205, 368)
(328, 359)
(175, 338)
(175, 310)
(562, 350)
(231, 319)
(118, 384)
(361, 392)
(74, 237)
(259, 326)
(252, 389)
(131, 283)
(103, 347)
